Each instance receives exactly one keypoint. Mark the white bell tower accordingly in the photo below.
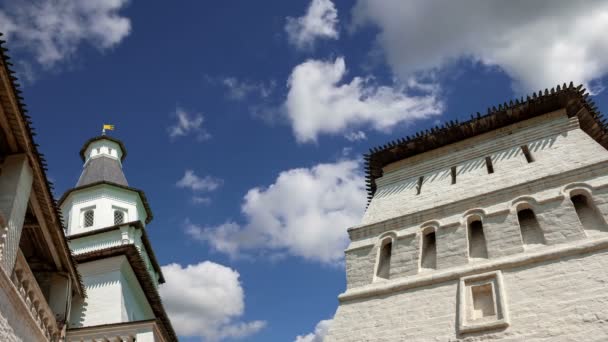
(105, 220)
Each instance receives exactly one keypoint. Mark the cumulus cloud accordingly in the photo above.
(304, 213)
(240, 89)
(206, 300)
(195, 183)
(537, 43)
(188, 124)
(320, 21)
(53, 29)
(355, 136)
(317, 101)
(318, 335)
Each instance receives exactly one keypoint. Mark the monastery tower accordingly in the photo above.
(105, 220)
(490, 229)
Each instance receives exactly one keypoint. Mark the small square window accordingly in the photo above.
(481, 303)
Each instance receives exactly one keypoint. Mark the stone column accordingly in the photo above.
(15, 186)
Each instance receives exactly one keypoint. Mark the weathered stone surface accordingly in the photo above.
(552, 285)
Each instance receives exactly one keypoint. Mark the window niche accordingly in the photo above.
(481, 303)
(383, 268)
(489, 165)
(531, 232)
(526, 151)
(428, 253)
(476, 239)
(588, 214)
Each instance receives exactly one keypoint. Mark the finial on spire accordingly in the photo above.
(108, 127)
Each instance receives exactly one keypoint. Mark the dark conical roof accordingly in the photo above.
(102, 169)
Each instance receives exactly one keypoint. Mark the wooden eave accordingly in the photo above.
(142, 195)
(143, 276)
(575, 100)
(145, 240)
(21, 140)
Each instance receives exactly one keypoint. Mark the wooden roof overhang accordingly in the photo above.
(143, 276)
(145, 240)
(20, 138)
(575, 100)
(103, 137)
(142, 195)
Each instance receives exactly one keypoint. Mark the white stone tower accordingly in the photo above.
(105, 220)
(490, 229)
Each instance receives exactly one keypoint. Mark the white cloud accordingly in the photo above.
(317, 102)
(201, 200)
(304, 213)
(319, 335)
(537, 43)
(188, 124)
(240, 89)
(320, 21)
(206, 300)
(195, 183)
(53, 29)
(355, 136)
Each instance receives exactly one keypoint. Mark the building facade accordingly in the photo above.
(83, 270)
(490, 229)
(105, 221)
(38, 275)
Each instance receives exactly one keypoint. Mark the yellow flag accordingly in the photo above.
(108, 127)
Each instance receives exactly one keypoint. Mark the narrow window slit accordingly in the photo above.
(419, 185)
(477, 240)
(384, 264)
(531, 233)
(429, 251)
(489, 165)
(527, 154)
(453, 173)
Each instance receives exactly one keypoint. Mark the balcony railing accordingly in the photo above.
(36, 303)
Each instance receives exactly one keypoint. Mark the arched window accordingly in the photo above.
(89, 218)
(428, 257)
(119, 217)
(384, 262)
(587, 213)
(477, 240)
(531, 233)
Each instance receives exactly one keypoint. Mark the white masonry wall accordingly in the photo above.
(111, 287)
(553, 291)
(103, 199)
(115, 238)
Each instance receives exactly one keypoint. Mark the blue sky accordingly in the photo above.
(245, 123)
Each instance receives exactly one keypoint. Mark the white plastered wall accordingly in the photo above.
(557, 298)
(111, 288)
(104, 199)
(114, 238)
(555, 141)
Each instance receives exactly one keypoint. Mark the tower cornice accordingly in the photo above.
(142, 195)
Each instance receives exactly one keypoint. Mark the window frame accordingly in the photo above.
(83, 215)
(465, 298)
